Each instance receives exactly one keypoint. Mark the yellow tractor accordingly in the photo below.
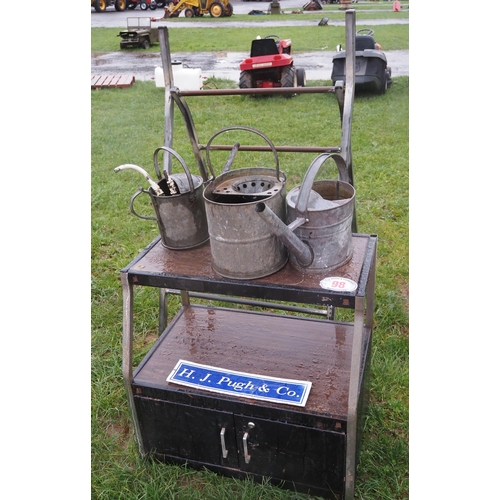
(197, 8)
(100, 5)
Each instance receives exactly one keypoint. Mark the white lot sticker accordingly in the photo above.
(339, 284)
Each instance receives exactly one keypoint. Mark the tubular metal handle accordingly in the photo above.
(245, 448)
(250, 425)
(131, 205)
(223, 443)
(237, 145)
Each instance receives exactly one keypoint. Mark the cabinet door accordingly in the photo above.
(289, 452)
(188, 432)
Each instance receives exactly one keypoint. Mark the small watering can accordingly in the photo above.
(178, 205)
(318, 235)
(242, 245)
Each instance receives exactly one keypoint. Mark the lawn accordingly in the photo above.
(127, 125)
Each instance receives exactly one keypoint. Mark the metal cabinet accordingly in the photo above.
(310, 449)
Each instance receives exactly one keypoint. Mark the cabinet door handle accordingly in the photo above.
(223, 442)
(245, 448)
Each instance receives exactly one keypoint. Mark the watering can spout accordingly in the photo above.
(301, 250)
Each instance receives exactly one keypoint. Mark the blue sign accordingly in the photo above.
(246, 385)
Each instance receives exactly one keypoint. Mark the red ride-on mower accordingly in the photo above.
(270, 65)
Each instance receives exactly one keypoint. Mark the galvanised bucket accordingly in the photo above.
(241, 243)
(181, 217)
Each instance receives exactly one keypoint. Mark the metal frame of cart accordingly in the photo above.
(217, 288)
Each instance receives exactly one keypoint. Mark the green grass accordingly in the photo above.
(380, 153)
(304, 38)
(380, 148)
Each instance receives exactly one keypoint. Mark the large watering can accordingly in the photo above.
(241, 243)
(318, 234)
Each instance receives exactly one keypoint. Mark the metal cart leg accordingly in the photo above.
(127, 346)
(363, 322)
(163, 310)
(352, 408)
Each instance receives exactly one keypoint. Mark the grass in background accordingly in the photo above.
(304, 38)
(127, 125)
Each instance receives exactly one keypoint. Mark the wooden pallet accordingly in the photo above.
(111, 81)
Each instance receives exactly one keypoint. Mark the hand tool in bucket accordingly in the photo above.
(319, 217)
(179, 206)
(241, 243)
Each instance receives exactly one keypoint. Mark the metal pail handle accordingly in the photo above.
(230, 160)
(131, 205)
(181, 161)
(307, 183)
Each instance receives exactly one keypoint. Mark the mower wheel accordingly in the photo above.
(132, 6)
(217, 10)
(152, 5)
(229, 10)
(144, 6)
(383, 87)
(189, 13)
(301, 77)
(288, 77)
(245, 80)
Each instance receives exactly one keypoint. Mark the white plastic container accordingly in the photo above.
(184, 78)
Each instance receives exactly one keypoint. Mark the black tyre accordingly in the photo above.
(145, 44)
(388, 73)
(229, 10)
(144, 6)
(189, 12)
(301, 77)
(288, 77)
(100, 5)
(120, 5)
(153, 5)
(132, 6)
(217, 10)
(383, 87)
(246, 80)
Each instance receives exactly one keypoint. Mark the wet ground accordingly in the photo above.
(318, 65)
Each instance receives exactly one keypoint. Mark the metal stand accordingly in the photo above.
(161, 268)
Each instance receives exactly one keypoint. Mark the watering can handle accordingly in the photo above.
(132, 199)
(181, 161)
(236, 146)
(307, 183)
